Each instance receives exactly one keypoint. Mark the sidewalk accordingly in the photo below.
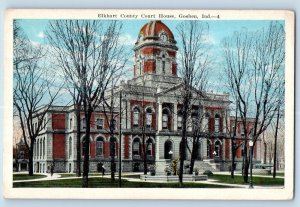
(209, 181)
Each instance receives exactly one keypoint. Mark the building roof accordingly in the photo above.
(154, 29)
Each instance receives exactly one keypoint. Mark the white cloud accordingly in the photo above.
(41, 35)
(127, 39)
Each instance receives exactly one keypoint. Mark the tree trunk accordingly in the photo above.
(112, 166)
(275, 143)
(78, 146)
(85, 179)
(233, 151)
(183, 138)
(265, 152)
(30, 163)
(193, 156)
(245, 165)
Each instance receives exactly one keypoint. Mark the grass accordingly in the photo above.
(27, 177)
(65, 175)
(238, 179)
(132, 176)
(97, 182)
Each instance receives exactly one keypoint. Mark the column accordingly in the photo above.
(175, 116)
(157, 148)
(159, 128)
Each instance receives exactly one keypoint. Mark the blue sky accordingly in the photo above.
(218, 29)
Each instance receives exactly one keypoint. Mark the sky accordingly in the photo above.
(218, 29)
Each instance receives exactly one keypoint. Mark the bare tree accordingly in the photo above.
(194, 61)
(254, 63)
(34, 91)
(91, 52)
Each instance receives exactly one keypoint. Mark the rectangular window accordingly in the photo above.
(135, 118)
(99, 148)
(149, 120)
(179, 122)
(136, 148)
(149, 149)
(165, 121)
(99, 123)
(217, 124)
(242, 130)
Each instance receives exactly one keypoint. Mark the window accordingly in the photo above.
(136, 114)
(99, 146)
(149, 147)
(99, 123)
(71, 123)
(70, 147)
(217, 123)
(165, 119)
(136, 147)
(163, 65)
(242, 130)
(179, 121)
(83, 123)
(217, 148)
(148, 118)
(168, 150)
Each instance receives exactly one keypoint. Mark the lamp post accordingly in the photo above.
(251, 153)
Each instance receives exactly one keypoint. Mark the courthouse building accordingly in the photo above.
(151, 108)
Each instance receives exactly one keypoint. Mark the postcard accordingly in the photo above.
(149, 104)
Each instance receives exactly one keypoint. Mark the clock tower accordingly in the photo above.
(155, 53)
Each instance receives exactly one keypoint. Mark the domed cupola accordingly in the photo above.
(155, 50)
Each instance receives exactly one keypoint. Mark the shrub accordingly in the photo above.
(207, 172)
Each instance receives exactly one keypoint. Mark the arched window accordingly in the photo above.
(206, 122)
(113, 146)
(194, 116)
(163, 64)
(136, 147)
(168, 150)
(149, 147)
(217, 123)
(148, 117)
(70, 147)
(217, 148)
(165, 118)
(136, 116)
(99, 146)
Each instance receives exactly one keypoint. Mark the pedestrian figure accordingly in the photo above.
(51, 170)
(103, 170)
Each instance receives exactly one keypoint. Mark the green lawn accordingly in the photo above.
(238, 179)
(106, 183)
(65, 175)
(27, 177)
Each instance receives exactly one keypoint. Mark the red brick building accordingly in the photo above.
(151, 109)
